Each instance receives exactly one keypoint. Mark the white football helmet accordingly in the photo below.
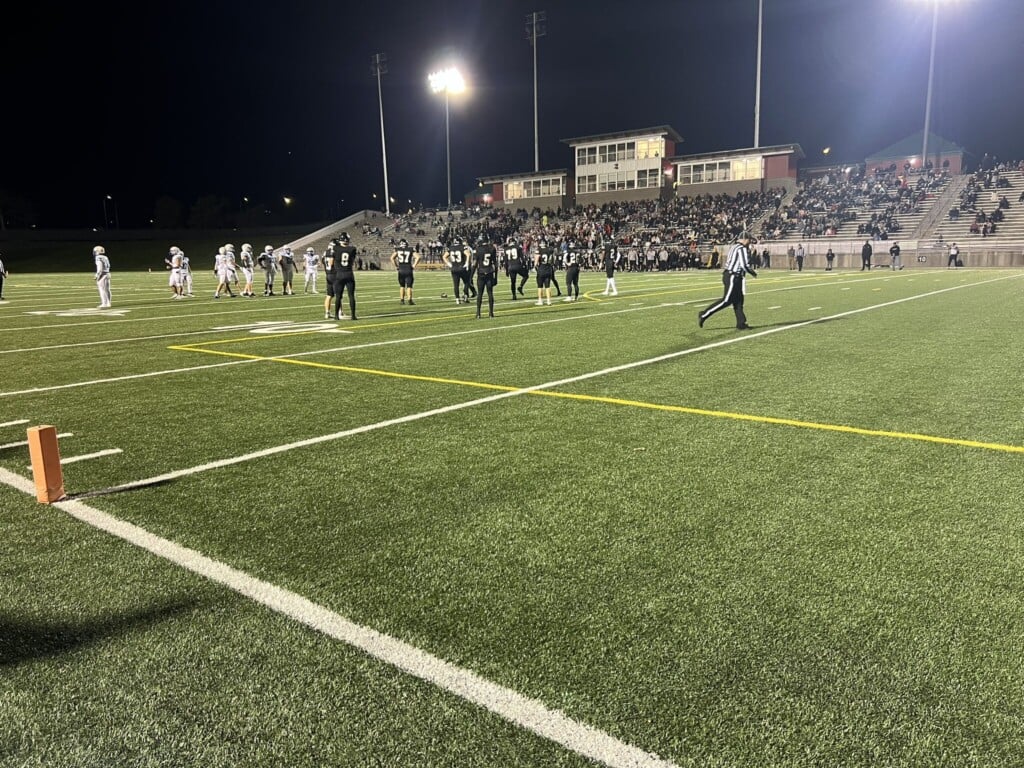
(99, 250)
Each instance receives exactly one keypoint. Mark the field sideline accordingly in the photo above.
(584, 533)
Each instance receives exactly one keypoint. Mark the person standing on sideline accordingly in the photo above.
(791, 257)
(954, 256)
(99, 255)
(485, 258)
(310, 263)
(344, 276)
(3, 274)
(800, 257)
(737, 267)
(572, 272)
(830, 258)
(894, 252)
(865, 256)
(766, 258)
(405, 258)
(610, 258)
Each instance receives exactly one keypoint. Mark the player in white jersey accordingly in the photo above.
(232, 264)
(99, 255)
(312, 263)
(186, 274)
(222, 268)
(248, 268)
(269, 264)
(173, 261)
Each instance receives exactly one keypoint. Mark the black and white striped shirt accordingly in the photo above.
(738, 261)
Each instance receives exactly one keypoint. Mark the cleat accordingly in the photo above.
(490, 314)
(540, 303)
(412, 303)
(700, 319)
(743, 327)
(477, 315)
(402, 302)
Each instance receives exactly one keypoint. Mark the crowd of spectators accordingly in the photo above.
(981, 203)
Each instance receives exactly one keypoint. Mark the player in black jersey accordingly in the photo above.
(485, 260)
(544, 261)
(456, 258)
(610, 260)
(572, 271)
(552, 257)
(516, 265)
(344, 276)
(405, 259)
(329, 257)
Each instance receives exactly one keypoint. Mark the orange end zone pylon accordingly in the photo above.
(42, 447)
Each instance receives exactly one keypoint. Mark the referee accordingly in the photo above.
(737, 266)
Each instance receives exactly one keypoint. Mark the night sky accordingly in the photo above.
(267, 99)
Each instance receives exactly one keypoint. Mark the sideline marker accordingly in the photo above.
(45, 453)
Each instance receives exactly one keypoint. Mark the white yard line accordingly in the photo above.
(520, 710)
(233, 460)
(130, 377)
(23, 443)
(106, 341)
(87, 456)
(14, 423)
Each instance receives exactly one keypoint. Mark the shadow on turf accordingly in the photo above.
(24, 641)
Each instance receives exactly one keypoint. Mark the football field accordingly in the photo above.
(588, 533)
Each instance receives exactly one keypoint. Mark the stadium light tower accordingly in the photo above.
(931, 77)
(448, 81)
(378, 67)
(534, 29)
(757, 86)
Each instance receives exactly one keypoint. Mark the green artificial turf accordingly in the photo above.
(768, 547)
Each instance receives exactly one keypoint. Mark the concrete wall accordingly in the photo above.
(913, 255)
(552, 202)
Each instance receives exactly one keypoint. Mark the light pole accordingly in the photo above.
(449, 81)
(757, 87)
(534, 29)
(379, 66)
(931, 76)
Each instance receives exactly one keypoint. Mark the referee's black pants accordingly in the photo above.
(734, 284)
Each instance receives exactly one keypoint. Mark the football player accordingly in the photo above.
(173, 261)
(456, 258)
(405, 258)
(248, 266)
(344, 276)
(287, 271)
(572, 271)
(515, 265)
(222, 268)
(310, 262)
(99, 255)
(543, 260)
(610, 259)
(485, 259)
(269, 264)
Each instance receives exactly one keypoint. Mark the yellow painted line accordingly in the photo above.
(349, 369)
(785, 422)
(635, 403)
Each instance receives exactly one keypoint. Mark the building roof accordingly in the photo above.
(517, 176)
(777, 149)
(658, 130)
(911, 146)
